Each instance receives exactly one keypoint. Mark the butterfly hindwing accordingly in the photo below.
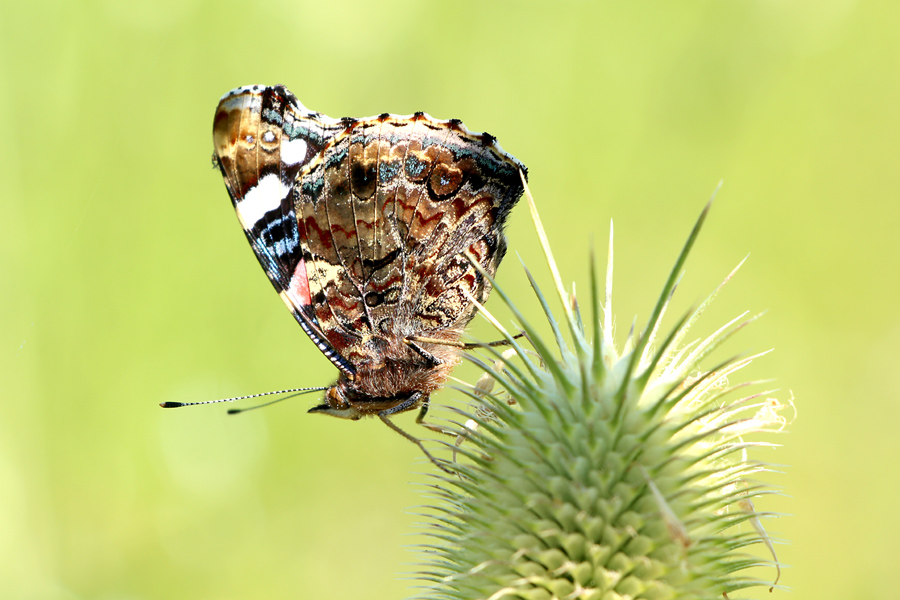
(390, 216)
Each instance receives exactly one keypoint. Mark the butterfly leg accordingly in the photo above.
(411, 342)
(406, 405)
(420, 420)
(431, 358)
(493, 344)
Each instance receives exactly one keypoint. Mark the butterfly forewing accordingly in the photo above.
(262, 139)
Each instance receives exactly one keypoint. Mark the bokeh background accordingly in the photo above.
(125, 279)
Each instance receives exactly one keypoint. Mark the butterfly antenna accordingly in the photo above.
(234, 411)
(294, 392)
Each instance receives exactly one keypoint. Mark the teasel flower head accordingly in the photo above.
(589, 471)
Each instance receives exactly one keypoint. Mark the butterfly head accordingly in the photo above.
(336, 403)
(346, 400)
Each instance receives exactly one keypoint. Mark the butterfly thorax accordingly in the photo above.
(389, 376)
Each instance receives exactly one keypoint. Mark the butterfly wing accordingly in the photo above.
(263, 138)
(388, 216)
(468, 188)
(366, 228)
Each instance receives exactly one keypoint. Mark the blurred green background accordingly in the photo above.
(125, 279)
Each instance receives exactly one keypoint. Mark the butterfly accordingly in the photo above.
(370, 231)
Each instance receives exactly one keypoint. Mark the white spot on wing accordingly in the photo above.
(266, 195)
(293, 151)
(285, 246)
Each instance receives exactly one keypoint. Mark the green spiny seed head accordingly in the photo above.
(594, 473)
